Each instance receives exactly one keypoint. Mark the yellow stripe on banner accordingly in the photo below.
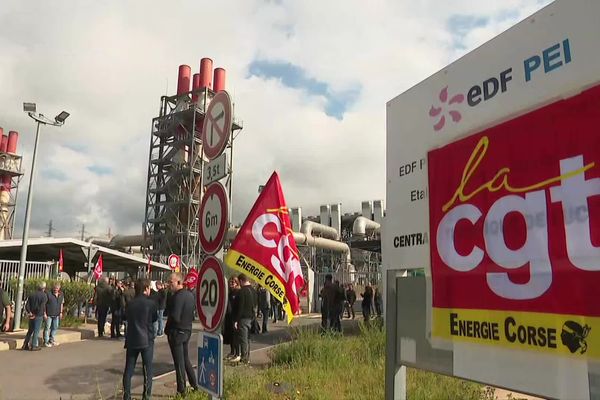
(261, 275)
(571, 335)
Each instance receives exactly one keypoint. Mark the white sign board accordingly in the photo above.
(215, 170)
(550, 56)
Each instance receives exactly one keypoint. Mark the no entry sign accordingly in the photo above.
(211, 294)
(213, 218)
(217, 125)
(174, 262)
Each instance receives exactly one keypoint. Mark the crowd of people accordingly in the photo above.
(247, 305)
(337, 299)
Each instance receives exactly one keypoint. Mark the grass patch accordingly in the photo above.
(332, 367)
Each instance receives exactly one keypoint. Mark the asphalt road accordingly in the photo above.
(93, 368)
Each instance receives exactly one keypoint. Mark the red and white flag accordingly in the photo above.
(191, 279)
(265, 249)
(60, 261)
(99, 268)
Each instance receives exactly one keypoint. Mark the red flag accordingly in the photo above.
(191, 279)
(99, 268)
(265, 249)
(149, 265)
(60, 261)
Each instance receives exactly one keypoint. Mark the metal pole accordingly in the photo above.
(19, 299)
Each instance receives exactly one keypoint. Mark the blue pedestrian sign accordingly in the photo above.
(210, 363)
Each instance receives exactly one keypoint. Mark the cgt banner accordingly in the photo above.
(265, 250)
(515, 232)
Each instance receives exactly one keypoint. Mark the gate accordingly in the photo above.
(9, 269)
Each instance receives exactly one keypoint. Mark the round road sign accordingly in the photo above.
(213, 218)
(217, 125)
(211, 294)
(174, 262)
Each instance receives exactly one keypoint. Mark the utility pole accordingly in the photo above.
(50, 229)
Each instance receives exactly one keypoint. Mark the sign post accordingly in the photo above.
(211, 289)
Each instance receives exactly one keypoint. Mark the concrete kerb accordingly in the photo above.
(15, 340)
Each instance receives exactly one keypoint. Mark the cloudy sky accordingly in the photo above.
(309, 79)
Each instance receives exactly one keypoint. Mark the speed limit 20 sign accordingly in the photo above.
(211, 294)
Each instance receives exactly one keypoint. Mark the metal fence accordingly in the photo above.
(10, 270)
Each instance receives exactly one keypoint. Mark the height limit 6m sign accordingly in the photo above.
(213, 218)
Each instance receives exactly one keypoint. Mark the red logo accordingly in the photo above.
(515, 213)
(439, 114)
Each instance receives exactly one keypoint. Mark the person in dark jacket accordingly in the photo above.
(338, 306)
(54, 313)
(328, 299)
(180, 309)
(229, 334)
(367, 303)
(350, 300)
(102, 300)
(377, 298)
(116, 308)
(141, 314)
(36, 311)
(243, 318)
(264, 305)
(128, 295)
(162, 304)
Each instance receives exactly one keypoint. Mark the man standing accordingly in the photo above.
(128, 295)
(36, 311)
(117, 311)
(102, 299)
(243, 318)
(264, 305)
(327, 303)
(54, 312)
(162, 304)
(139, 339)
(5, 311)
(180, 309)
(351, 299)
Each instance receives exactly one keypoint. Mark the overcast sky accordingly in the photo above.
(309, 79)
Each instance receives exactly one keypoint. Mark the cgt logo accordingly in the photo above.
(284, 259)
(515, 213)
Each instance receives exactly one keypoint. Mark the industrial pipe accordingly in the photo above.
(219, 80)
(310, 227)
(183, 79)
(363, 225)
(206, 73)
(195, 86)
(13, 138)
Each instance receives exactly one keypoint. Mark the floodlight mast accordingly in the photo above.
(30, 109)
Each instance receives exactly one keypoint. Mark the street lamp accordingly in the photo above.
(59, 120)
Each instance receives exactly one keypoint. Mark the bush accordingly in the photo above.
(75, 292)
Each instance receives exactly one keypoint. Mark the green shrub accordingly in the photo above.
(75, 292)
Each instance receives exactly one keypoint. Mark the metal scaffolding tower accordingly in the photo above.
(10, 169)
(174, 190)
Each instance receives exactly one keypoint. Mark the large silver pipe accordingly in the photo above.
(127, 241)
(305, 239)
(309, 228)
(363, 225)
